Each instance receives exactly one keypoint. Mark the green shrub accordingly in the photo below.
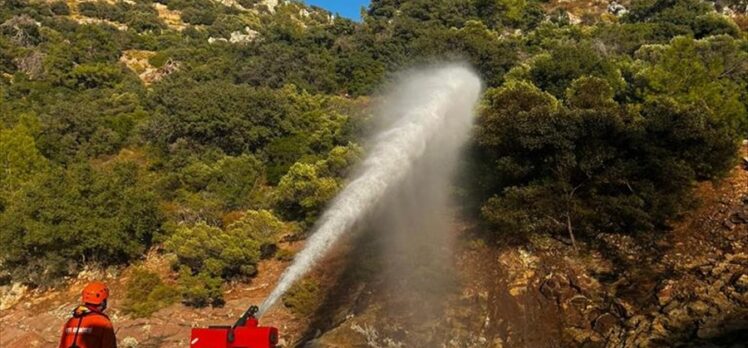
(555, 71)
(104, 10)
(285, 255)
(305, 190)
(715, 24)
(233, 252)
(159, 59)
(201, 289)
(237, 119)
(234, 178)
(249, 3)
(229, 180)
(224, 25)
(144, 21)
(303, 298)
(591, 165)
(208, 249)
(210, 255)
(67, 217)
(146, 294)
(283, 153)
(87, 76)
(60, 8)
(195, 16)
(302, 192)
(20, 159)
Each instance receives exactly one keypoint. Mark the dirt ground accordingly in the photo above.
(36, 320)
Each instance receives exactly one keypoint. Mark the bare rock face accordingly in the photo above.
(617, 9)
(172, 18)
(238, 37)
(129, 342)
(271, 4)
(248, 35)
(11, 295)
(731, 8)
(741, 283)
(688, 287)
(137, 61)
(520, 270)
(682, 311)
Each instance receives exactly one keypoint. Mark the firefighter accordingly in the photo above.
(90, 327)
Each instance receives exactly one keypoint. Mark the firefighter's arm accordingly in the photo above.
(108, 339)
(64, 336)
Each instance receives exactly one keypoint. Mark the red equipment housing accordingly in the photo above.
(246, 333)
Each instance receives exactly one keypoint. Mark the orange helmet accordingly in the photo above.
(95, 293)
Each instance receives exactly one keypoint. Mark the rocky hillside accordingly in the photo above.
(183, 150)
(687, 288)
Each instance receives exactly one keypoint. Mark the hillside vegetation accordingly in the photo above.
(211, 131)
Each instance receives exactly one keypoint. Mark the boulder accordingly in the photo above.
(708, 331)
(622, 309)
(678, 319)
(666, 294)
(129, 342)
(604, 323)
(658, 328)
(617, 9)
(671, 306)
(739, 216)
(741, 283)
(729, 225)
(11, 295)
(698, 308)
(557, 287)
(579, 336)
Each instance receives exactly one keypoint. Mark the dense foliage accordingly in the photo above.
(211, 253)
(146, 293)
(210, 131)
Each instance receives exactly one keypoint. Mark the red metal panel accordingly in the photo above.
(209, 338)
(248, 336)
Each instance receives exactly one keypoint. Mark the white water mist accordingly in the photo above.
(426, 106)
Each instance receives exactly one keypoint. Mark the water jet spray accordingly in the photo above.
(425, 107)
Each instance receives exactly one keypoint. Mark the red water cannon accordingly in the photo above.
(245, 333)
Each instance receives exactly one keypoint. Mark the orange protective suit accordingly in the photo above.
(88, 328)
